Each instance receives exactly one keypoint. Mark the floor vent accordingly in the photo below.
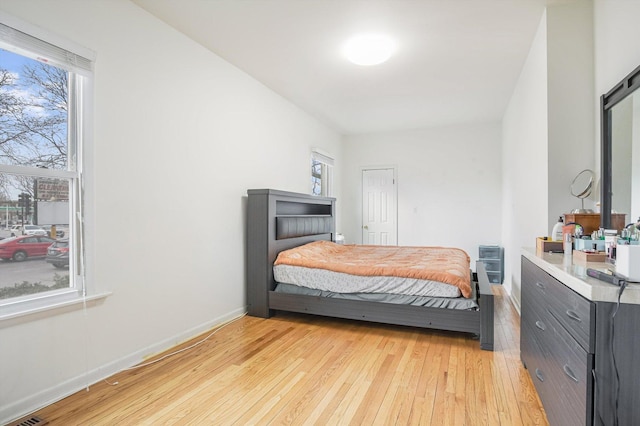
(30, 421)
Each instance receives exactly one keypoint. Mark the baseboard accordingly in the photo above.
(19, 409)
(515, 304)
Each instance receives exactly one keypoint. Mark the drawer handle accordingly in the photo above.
(540, 285)
(573, 315)
(539, 375)
(570, 373)
(541, 325)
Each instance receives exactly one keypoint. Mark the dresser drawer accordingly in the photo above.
(533, 284)
(571, 372)
(536, 357)
(559, 368)
(573, 311)
(533, 292)
(535, 299)
(540, 362)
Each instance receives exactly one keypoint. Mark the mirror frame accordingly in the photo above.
(607, 101)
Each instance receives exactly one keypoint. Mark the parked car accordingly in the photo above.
(20, 248)
(58, 253)
(59, 231)
(18, 230)
(33, 230)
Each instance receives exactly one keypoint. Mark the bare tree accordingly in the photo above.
(50, 86)
(33, 116)
(11, 111)
(4, 184)
(33, 121)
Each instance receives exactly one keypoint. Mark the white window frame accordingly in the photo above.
(34, 42)
(326, 174)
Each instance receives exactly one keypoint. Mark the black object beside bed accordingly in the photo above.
(280, 220)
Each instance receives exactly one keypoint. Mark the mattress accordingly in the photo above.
(338, 282)
(414, 271)
(459, 303)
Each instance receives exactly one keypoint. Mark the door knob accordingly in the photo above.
(365, 227)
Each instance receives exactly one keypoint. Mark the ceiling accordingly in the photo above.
(457, 61)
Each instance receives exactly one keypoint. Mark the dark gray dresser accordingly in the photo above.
(583, 360)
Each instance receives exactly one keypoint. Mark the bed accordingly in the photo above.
(278, 221)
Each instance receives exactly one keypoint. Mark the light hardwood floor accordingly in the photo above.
(297, 369)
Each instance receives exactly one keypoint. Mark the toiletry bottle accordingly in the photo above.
(556, 233)
(568, 244)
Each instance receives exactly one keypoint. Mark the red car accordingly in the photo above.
(19, 248)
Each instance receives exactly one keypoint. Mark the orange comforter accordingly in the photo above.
(447, 265)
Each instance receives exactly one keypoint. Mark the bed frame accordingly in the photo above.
(279, 220)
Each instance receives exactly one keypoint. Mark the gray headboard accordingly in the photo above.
(276, 221)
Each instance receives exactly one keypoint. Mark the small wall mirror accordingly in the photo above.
(581, 188)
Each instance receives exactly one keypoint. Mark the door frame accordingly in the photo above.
(360, 200)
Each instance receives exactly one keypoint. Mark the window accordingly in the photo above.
(42, 89)
(321, 173)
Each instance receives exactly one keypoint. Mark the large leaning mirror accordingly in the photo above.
(620, 155)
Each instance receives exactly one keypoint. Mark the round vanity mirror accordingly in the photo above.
(581, 188)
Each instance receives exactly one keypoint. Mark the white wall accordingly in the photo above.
(524, 166)
(616, 32)
(571, 118)
(449, 184)
(179, 136)
(547, 129)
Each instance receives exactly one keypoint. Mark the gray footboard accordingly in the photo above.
(486, 307)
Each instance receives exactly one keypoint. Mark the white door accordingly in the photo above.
(379, 207)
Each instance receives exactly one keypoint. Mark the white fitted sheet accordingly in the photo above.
(338, 282)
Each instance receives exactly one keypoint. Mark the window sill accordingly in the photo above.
(47, 306)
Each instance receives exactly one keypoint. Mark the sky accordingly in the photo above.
(11, 61)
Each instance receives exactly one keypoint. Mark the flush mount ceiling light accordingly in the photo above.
(369, 49)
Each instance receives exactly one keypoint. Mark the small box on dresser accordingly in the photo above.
(544, 245)
(584, 257)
